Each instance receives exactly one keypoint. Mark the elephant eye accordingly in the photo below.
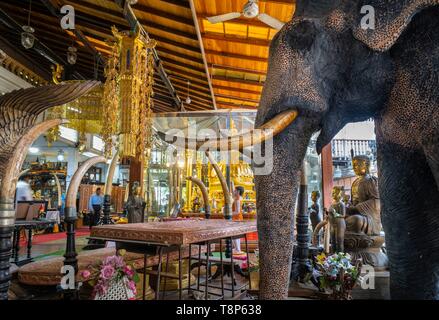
(302, 35)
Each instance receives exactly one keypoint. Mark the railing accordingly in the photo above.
(344, 149)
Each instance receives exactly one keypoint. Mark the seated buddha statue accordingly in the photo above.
(363, 213)
(362, 238)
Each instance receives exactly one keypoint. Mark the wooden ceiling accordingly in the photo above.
(235, 52)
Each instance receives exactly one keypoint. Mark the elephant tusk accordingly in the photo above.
(238, 142)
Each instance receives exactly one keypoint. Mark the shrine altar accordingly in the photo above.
(177, 232)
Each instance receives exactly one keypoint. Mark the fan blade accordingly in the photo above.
(224, 17)
(272, 22)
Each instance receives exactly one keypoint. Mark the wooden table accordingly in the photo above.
(163, 237)
(28, 225)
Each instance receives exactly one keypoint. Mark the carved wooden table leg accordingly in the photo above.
(303, 265)
(29, 244)
(16, 244)
(71, 255)
(7, 217)
(106, 208)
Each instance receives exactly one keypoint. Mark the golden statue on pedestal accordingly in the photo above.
(355, 225)
(364, 210)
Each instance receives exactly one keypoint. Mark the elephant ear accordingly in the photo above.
(391, 19)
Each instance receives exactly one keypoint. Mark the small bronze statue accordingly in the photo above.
(336, 216)
(196, 204)
(135, 206)
(314, 210)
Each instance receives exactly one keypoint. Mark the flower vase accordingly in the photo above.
(118, 289)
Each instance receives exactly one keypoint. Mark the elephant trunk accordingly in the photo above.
(276, 202)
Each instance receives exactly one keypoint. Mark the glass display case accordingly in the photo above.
(166, 182)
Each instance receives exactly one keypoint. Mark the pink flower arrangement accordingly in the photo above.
(111, 271)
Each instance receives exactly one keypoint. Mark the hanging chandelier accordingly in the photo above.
(127, 94)
(27, 36)
(83, 114)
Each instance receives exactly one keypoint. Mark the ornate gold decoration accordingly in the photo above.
(57, 71)
(56, 112)
(132, 84)
(84, 115)
(110, 99)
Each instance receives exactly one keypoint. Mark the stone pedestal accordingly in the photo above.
(368, 248)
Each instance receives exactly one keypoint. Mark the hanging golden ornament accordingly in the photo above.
(135, 85)
(54, 133)
(110, 100)
(85, 113)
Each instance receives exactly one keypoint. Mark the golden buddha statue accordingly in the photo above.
(363, 213)
(362, 238)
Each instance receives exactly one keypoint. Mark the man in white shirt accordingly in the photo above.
(24, 192)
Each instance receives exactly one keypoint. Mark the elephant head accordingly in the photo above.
(327, 67)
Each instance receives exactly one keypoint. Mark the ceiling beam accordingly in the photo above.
(167, 51)
(180, 3)
(168, 29)
(236, 56)
(236, 80)
(189, 75)
(228, 105)
(236, 69)
(236, 39)
(236, 98)
(182, 64)
(290, 2)
(24, 60)
(163, 14)
(203, 54)
(234, 89)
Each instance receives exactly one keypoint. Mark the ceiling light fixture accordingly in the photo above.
(188, 99)
(34, 150)
(60, 155)
(27, 36)
(72, 55)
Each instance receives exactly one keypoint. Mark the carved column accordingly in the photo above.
(7, 219)
(302, 224)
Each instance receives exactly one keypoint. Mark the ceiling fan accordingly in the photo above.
(250, 10)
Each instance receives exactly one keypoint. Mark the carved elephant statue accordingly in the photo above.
(332, 70)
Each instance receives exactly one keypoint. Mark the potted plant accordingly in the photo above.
(112, 279)
(337, 275)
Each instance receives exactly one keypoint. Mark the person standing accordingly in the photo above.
(236, 213)
(95, 207)
(24, 192)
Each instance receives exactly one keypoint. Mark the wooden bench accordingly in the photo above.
(48, 272)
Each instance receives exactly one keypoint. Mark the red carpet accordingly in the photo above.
(42, 238)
